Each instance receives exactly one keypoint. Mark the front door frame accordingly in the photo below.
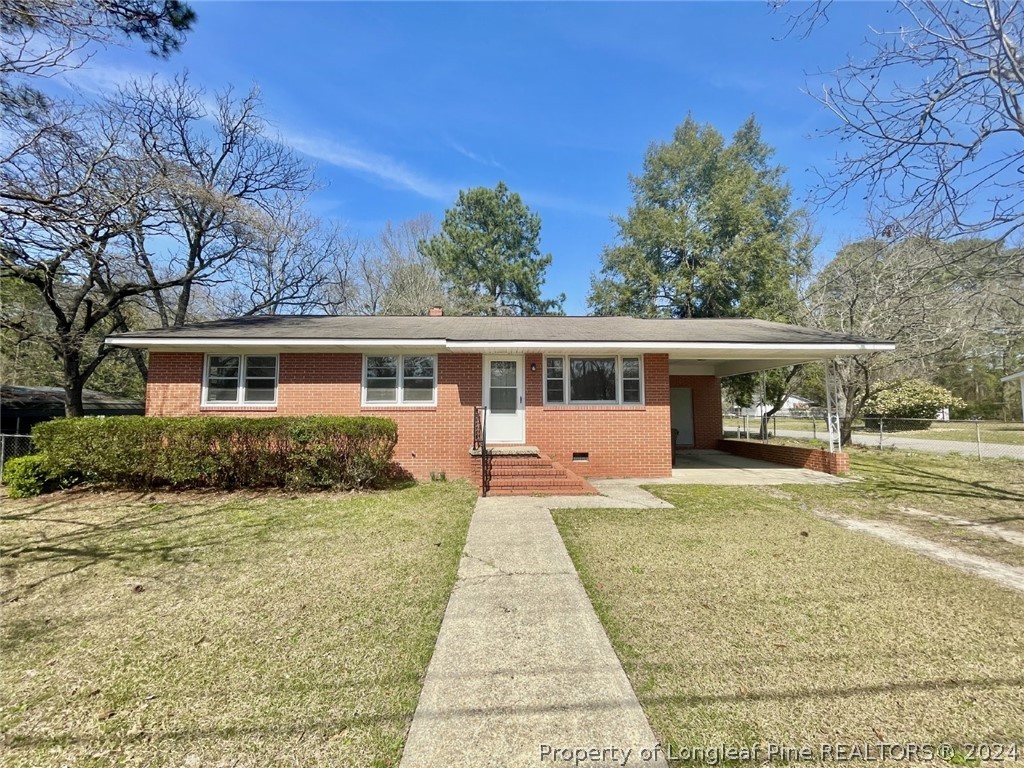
(510, 434)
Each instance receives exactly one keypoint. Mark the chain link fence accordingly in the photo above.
(969, 437)
(13, 446)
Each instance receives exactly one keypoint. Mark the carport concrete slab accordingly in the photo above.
(720, 468)
(522, 663)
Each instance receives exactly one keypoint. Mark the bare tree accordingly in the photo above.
(229, 200)
(389, 276)
(901, 292)
(66, 207)
(143, 202)
(41, 38)
(297, 265)
(933, 120)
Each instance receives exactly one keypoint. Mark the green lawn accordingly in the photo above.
(221, 629)
(991, 432)
(741, 618)
(897, 486)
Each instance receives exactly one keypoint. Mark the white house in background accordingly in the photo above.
(1019, 378)
(794, 405)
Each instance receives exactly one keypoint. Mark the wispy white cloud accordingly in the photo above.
(101, 79)
(475, 157)
(380, 167)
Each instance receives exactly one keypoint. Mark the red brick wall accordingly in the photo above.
(707, 408)
(806, 458)
(175, 383)
(622, 441)
(329, 384)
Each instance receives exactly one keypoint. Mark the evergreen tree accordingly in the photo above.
(711, 233)
(488, 252)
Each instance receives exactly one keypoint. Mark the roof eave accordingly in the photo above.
(679, 350)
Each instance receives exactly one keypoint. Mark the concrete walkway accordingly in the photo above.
(522, 665)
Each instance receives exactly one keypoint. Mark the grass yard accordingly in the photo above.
(741, 618)
(221, 629)
(991, 432)
(898, 486)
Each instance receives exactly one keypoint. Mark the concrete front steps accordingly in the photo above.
(525, 471)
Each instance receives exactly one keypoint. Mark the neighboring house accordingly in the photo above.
(794, 405)
(21, 408)
(1019, 378)
(598, 394)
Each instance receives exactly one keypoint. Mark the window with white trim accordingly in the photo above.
(240, 380)
(554, 386)
(399, 380)
(593, 380)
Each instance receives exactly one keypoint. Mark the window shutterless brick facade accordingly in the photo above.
(618, 440)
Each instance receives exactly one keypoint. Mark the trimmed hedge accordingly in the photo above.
(221, 451)
(26, 476)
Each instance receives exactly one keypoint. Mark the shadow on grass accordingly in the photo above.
(159, 533)
(323, 729)
(900, 477)
(798, 694)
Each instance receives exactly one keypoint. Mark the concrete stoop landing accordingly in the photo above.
(525, 471)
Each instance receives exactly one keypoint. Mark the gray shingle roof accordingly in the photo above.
(612, 330)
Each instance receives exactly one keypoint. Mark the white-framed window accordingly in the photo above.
(593, 380)
(399, 380)
(240, 380)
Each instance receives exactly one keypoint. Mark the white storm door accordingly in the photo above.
(503, 396)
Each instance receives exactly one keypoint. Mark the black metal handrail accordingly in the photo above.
(480, 444)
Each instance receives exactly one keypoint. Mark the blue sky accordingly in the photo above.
(401, 105)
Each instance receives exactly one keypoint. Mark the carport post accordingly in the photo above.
(834, 437)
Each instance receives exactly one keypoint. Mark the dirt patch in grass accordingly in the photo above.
(742, 619)
(989, 492)
(221, 629)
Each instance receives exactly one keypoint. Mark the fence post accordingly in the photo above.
(814, 428)
(881, 431)
(3, 445)
(977, 435)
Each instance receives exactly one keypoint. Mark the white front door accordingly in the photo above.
(503, 396)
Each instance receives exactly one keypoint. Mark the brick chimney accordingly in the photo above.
(436, 312)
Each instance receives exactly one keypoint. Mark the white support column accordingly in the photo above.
(830, 410)
(838, 406)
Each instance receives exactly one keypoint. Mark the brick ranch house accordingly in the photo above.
(566, 397)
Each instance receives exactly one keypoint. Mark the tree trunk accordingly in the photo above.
(765, 417)
(73, 404)
(74, 383)
(845, 430)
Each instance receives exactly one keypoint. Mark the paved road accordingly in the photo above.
(988, 450)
